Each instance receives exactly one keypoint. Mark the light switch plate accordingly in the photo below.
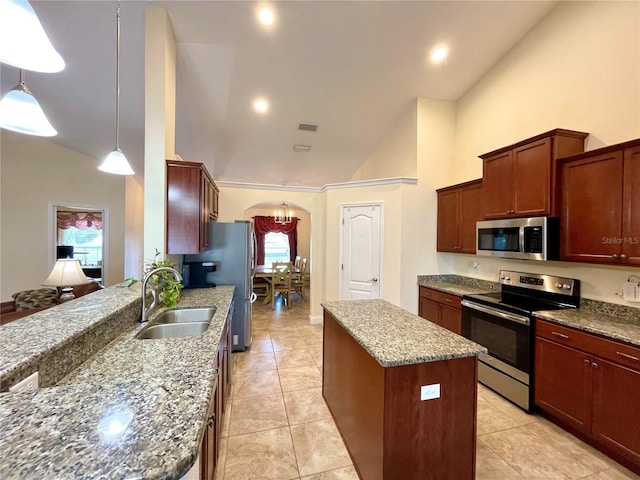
(429, 392)
(29, 384)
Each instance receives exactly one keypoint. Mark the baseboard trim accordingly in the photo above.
(315, 319)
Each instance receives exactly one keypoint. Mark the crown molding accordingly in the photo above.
(328, 186)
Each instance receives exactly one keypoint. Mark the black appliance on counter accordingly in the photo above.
(503, 322)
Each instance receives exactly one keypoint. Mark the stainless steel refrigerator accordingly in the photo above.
(229, 260)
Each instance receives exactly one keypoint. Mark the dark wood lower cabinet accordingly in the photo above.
(590, 386)
(390, 433)
(441, 308)
(217, 407)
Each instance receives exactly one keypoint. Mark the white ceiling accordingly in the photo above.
(352, 67)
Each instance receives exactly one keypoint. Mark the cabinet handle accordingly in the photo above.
(594, 365)
(615, 255)
(587, 361)
(623, 256)
(630, 357)
(448, 300)
(561, 335)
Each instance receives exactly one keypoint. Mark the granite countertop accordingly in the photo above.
(457, 284)
(620, 324)
(136, 409)
(394, 336)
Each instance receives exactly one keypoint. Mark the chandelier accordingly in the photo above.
(284, 215)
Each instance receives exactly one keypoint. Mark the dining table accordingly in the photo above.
(265, 271)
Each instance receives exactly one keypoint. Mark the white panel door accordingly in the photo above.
(361, 240)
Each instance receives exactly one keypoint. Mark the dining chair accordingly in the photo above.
(301, 279)
(280, 281)
(296, 263)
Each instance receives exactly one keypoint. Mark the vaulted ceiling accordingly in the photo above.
(351, 67)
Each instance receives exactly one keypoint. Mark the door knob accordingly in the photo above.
(374, 279)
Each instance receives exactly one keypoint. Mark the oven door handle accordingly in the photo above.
(498, 313)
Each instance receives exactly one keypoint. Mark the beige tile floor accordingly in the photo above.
(278, 427)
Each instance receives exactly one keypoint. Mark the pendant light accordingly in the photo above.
(116, 162)
(23, 41)
(21, 112)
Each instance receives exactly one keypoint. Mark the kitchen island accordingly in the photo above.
(133, 409)
(401, 390)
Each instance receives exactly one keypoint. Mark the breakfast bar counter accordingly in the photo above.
(135, 409)
(401, 390)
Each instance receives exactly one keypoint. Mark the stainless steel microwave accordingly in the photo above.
(535, 238)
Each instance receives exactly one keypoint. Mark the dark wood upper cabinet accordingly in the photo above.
(600, 215)
(520, 180)
(192, 201)
(459, 208)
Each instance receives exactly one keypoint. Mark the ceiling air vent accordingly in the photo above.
(301, 148)
(308, 127)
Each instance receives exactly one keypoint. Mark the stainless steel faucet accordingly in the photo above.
(154, 294)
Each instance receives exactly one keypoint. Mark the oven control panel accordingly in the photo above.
(541, 282)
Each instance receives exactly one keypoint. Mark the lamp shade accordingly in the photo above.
(23, 41)
(21, 112)
(66, 273)
(116, 163)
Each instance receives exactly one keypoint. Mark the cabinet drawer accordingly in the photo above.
(618, 352)
(441, 297)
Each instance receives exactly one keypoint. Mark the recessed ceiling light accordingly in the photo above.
(439, 54)
(265, 15)
(260, 105)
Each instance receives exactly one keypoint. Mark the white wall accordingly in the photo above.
(396, 154)
(578, 69)
(35, 173)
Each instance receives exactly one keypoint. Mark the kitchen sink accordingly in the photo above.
(185, 315)
(173, 330)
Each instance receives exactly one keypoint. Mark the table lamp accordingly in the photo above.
(66, 274)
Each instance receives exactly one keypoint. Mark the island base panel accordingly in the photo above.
(390, 433)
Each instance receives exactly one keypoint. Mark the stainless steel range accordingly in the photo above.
(503, 322)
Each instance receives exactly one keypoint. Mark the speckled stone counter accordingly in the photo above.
(457, 284)
(136, 409)
(394, 336)
(614, 321)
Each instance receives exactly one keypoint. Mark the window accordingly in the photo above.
(87, 244)
(276, 248)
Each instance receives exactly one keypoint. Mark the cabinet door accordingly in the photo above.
(631, 208)
(451, 319)
(183, 215)
(429, 310)
(592, 209)
(616, 415)
(532, 183)
(498, 185)
(562, 385)
(448, 221)
(210, 444)
(471, 210)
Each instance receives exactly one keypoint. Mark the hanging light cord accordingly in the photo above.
(118, 76)
(23, 84)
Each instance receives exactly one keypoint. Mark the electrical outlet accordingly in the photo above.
(235, 339)
(429, 392)
(476, 266)
(29, 384)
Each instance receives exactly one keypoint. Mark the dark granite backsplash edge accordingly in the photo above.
(459, 279)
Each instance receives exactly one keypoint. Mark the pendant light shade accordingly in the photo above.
(116, 162)
(23, 41)
(21, 112)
